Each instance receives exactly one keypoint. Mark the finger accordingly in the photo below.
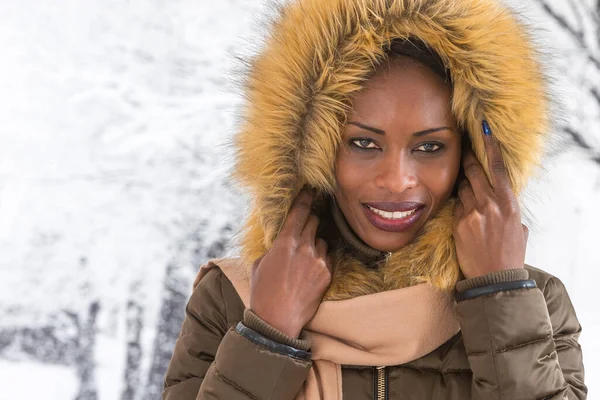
(310, 229)
(458, 208)
(525, 232)
(466, 195)
(256, 263)
(298, 214)
(458, 213)
(476, 175)
(321, 246)
(499, 174)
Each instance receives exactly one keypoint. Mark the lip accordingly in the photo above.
(397, 225)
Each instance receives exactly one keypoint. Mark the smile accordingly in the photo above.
(392, 221)
(392, 215)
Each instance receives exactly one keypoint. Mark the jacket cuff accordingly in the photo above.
(246, 368)
(254, 322)
(516, 274)
(272, 345)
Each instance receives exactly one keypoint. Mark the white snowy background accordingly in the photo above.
(113, 119)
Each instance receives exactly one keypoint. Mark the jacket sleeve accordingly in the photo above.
(219, 359)
(521, 339)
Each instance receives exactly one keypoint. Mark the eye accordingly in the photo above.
(430, 147)
(363, 143)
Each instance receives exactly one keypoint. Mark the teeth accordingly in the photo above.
(392, 215)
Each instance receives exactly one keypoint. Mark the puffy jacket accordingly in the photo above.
(517, 344)
(518, 330)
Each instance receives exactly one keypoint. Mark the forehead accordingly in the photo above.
(403, 91)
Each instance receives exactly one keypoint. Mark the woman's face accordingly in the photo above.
(400, 154)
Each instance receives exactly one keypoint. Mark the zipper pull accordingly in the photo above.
(388, 254)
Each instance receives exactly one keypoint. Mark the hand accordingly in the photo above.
(289, 281)
(488, 233)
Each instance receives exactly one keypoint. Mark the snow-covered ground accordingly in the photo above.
(51, 382)
(113, 119)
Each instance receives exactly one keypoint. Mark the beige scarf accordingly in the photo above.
(387, 328)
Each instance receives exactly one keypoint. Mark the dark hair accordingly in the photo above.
(418, 50)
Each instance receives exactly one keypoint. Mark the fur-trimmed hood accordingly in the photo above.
(298, 90)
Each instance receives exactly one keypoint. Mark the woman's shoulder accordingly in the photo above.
(214, 293)
(558, 302)
(544, 280)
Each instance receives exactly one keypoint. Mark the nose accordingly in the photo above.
(396, 173)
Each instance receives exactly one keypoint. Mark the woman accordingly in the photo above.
(384, 144)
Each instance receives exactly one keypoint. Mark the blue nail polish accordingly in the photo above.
(486, 128)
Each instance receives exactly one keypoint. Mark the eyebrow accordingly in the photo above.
(417, 134)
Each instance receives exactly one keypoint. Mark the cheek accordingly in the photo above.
(440, 179)
(349, 173)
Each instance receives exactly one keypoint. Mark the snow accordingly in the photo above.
(51, 381)
(564, 242)
(114, 121)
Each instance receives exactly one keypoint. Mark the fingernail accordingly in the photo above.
(486, 128)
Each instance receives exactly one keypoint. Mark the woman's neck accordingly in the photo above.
(366, 253)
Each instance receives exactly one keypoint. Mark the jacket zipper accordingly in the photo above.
(380, 391)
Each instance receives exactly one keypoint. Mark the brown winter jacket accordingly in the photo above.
(514, 344)
(518, 330)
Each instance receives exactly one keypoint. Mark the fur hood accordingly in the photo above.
(298, 89)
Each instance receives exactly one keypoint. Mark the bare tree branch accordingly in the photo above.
(594, 13)
(577, 138)
(588, 10)
(597, 19)
(580, 141)
(576, 34)
(578, 17)
(596, 94)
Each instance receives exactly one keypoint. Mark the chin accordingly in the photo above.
(392, 242)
